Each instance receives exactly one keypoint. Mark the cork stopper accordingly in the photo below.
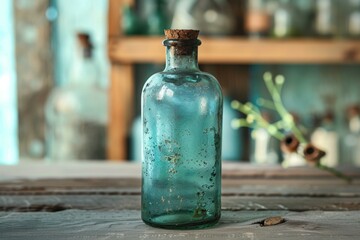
(183, 34)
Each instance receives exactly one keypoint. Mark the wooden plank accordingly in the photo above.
(115, 16)
(70, 169)
(121, 89)
(104, 203)
(122, 193)
(53, 203)
(92, 169)
(261, 203)
(236, 50)
(121, 110)
(230, 187)
(126, 224)
(125, 201)
(123, 187)
(242, 191)
(137, 50)
(245, 170)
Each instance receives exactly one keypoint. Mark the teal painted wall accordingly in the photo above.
(307, 87)
(80, 16)
(8, 104)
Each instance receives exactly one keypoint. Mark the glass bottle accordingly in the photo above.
(232, 147)
(284, 24)
(136, 140)
(257, 19)
(351, 141)
(264, 147)
(305, 17)
(325, 20)
(326, 138)
(214, 17)
(131, 24)
(182, 119)
(157, 19)
(353, 19)
(76, 113)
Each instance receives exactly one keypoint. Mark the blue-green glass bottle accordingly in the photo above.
(182, 120)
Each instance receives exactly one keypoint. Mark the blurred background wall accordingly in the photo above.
(8, 100)
(40, 39)
(34, 67)
(42, 34)
(80, 16)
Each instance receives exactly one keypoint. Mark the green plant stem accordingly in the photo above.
(251, 110)
(279, 84)
(279, 106)
(266, 104)
(334, 172)
(279, 124)
(238, 123)
(255, 120)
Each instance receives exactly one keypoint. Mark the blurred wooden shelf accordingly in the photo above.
(235, 50)
(125, 51)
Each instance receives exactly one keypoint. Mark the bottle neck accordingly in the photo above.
(181, 55)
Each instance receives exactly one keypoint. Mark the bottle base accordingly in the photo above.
(180, 221)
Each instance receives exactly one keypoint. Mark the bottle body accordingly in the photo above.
(74, 129)
(351, 149)
(353, 19)
(214, 17)
(326, 137)
(181, 167)
(283, 20)
(326, 19)
(351, 140)
(232, 139)
(76, 112)
(263, 148)
(257, 19)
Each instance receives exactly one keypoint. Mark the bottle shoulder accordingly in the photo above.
(182, 79)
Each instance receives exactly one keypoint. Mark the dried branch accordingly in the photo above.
(289, 143)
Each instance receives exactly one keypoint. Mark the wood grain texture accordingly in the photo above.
(91, 169)
(239, 187)
(236, 50)
(121, 110)
(126, 224)
(119, 200)
(103, 202)
(114, 18)
(117, 186)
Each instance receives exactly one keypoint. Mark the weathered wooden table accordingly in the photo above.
(102, 201)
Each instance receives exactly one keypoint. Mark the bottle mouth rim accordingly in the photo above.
(181, 42)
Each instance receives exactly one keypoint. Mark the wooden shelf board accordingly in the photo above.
(239, 50)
